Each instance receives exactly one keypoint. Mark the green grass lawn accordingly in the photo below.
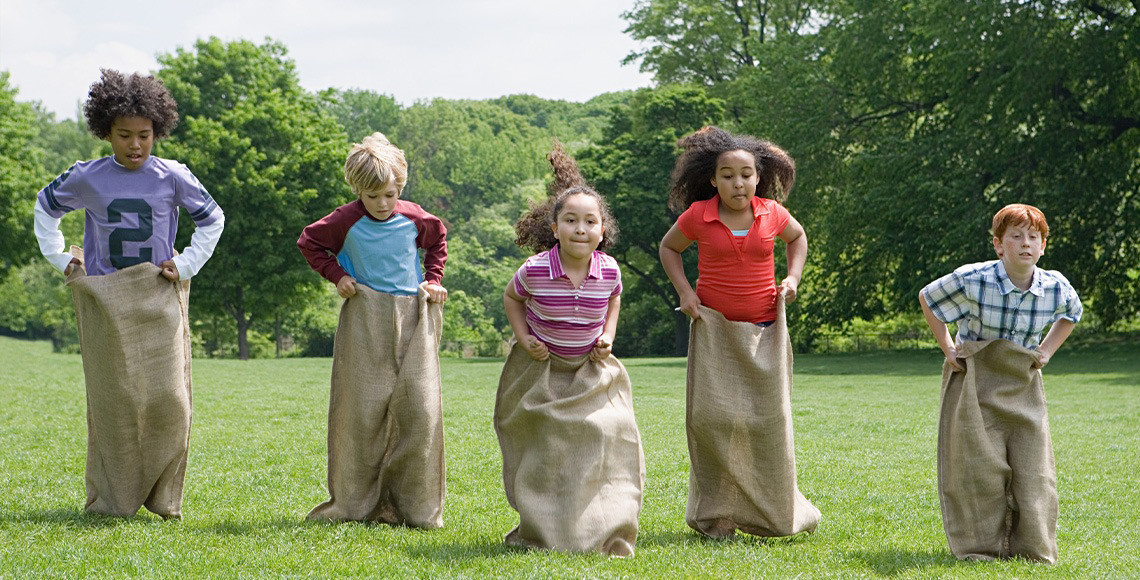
(865, 426)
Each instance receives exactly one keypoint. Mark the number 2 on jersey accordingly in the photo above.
(142, 233)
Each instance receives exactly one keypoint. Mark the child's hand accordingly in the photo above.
(169, 270)
(602, 348)
(689, 304)
(71, 266)
(952, 358)
(788, 288)
(435, 292)
(346, 287)
(1042, 359)
(535, 347)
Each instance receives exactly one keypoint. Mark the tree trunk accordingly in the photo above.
(681, 333)
(277, 335)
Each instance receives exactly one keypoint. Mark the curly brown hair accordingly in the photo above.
(691, 179)
(117, 95)
(534, 231)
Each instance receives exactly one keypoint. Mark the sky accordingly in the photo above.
(410, 49)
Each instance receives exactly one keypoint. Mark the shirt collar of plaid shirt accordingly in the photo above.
(1007, 286)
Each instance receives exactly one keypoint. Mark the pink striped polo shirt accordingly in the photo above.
(567, 319)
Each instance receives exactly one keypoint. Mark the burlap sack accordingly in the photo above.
(572, 461)
(385, 440)
(996, 480)
(739, 420)
(135, 337)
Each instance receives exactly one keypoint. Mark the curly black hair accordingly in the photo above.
(691, 179)
(117, 95)
(534, 231)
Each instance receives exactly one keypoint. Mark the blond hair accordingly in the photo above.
(373, 163)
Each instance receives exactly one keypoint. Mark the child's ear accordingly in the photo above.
(997, 245)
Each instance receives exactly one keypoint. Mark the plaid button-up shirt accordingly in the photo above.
(987, 306)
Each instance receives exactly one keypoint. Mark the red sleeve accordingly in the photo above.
(782, 217)
(431, 236)
(689, 222)
(321, 241)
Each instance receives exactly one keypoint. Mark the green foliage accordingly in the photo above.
(361, 112)
(34, 303)
(467, 330)
(709, 41)
(271, 158)
(21, 176)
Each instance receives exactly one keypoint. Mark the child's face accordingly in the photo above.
(1020, 246)
(381, 202)
(131, 140)
(578, 226)
(735, 180)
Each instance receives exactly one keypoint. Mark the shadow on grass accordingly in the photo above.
(896, 562)
(692, 538)
(454, 553)
(75, 517)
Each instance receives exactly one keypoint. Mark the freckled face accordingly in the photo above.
(381, 202)
(1020, 246)
(131, 140)
(735, 180)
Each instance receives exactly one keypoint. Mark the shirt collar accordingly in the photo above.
(712, 208)
(1036, 287)
(556, 272)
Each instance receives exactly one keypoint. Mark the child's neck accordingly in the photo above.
(575, 268)
(1020, 276)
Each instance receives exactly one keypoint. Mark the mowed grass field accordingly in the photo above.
(866, 428)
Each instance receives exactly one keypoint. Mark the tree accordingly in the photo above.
(712, 41)
(361, 112)
(271, 158)
(22, 176)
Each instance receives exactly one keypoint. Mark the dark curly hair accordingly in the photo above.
(691, 179)
(533, 229)
(117, 95)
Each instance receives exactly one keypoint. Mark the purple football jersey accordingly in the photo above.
(131, 216)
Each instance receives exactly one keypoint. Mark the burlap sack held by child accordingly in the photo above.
(385, 440)
(135, 336)
(996, 480)
(572, 460)
(739, 419)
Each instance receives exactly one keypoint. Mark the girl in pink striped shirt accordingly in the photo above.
(572, 461)
(565, 299)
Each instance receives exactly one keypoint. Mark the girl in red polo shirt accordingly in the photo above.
(728, 189)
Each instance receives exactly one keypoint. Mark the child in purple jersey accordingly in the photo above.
(573, 467)
(131, 198)
(131, 294)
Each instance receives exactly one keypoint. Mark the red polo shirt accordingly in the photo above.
(736, 279)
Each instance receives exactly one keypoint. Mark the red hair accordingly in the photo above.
(1018, 214)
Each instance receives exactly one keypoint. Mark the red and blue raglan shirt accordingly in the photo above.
(382, 255)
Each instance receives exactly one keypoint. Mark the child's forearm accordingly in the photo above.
(516, 314)
(202, 244)
(797, 257)
(51, 239)
(1057, 336)
(675, 270)
(610, 327)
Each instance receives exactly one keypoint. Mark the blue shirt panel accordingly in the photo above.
(383, 255)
